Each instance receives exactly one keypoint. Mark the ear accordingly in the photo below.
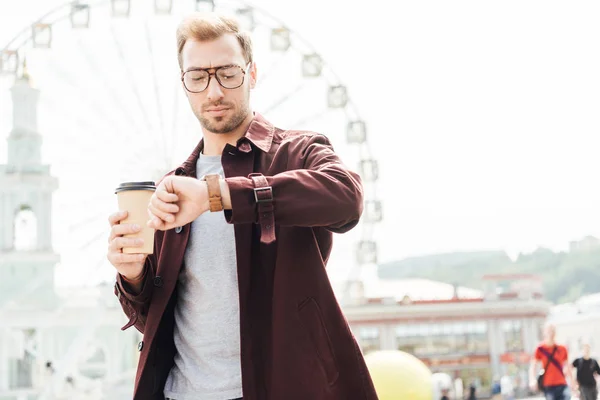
(253, 75)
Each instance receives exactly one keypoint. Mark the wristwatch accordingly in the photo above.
(214, 192)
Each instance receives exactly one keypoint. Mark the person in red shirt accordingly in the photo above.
(553, 358)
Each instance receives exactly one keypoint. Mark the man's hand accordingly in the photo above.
(533, 386)
(131, 266)
(178, 200)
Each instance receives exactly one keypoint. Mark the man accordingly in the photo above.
(235, 301)
(553, 359)
(587, 369)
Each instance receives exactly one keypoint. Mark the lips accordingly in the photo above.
(217, 111)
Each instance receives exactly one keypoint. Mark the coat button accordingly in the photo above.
(158, 282)
(140, 345)
(178, 229)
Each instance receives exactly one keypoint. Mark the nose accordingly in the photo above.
(214, 91)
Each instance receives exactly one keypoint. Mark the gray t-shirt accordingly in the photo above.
(207, 321)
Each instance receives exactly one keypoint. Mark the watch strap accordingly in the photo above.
(214, 192)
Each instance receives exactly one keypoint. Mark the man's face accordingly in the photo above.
(218, 109)
(549, 332)
(586, 350)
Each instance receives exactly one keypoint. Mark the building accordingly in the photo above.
(470, 334)
(588, 243)
(578, 323)
(53, 344)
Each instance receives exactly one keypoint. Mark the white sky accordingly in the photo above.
(486, 129)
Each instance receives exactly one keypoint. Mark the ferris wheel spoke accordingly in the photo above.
(131, 80)
(83, 144)
(91, 103)
(311, 118)
(74, 227)
(284, 98)
(97, 237)
(174, 133)
(75, 201)
(272, 67)
(157, 94)
(108, 88)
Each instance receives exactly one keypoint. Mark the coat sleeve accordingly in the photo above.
(136, 306)
(324, 193)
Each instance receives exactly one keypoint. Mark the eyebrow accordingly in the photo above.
(206, 69)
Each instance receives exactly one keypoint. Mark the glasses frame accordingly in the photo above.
(210, 75)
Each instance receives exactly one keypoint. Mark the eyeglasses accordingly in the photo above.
(228, 76)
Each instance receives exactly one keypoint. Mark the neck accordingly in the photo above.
(586, 357)
(214, 143)
(550, 342)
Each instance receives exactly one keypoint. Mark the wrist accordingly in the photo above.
(225, 195)
(215, 185)
(135, 279)
(205, 206)
(134, 285)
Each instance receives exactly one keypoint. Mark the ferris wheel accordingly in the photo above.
(112, 109)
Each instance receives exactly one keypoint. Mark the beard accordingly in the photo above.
(226, 124)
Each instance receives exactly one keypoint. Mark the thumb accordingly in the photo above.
(156, 223)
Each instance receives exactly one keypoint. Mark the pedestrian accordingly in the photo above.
(587, 370)
(472, 392)
(553, 358)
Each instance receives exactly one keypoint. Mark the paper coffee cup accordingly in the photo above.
(134, 198)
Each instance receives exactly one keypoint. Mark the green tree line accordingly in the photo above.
(566, 275)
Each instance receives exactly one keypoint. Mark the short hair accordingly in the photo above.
(204, 26)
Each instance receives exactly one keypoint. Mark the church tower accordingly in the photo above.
(27, 259)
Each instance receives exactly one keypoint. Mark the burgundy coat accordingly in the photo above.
(295, 341)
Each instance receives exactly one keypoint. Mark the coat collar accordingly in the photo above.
(260, 133)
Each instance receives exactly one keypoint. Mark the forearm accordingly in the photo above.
(330, 197)
(571, 373)
(317, 190)
(532, 371)
(134, 285)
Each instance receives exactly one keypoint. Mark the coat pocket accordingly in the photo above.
(312, 320)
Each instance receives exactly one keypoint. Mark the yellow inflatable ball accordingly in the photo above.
(399, 376)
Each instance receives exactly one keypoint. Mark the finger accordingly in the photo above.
(123, 229)
(166, 196)
(164, 206)
(123, 258)
(157, 223)
(116, 217)
(118, 243)
(158, 213)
